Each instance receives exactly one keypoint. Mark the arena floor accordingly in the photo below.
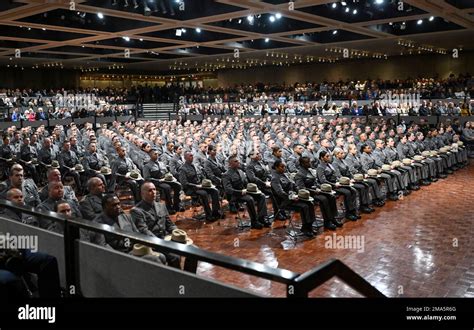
(422, 246)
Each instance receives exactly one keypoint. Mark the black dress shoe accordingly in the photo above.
(366, 209)
(393, 197)
(434, 180)
(351, 217)
(415, 187)
(256, 225)
(308, 232)
(357, 216)
(329, 225)
(442, 176)
(265, 223)
(406, 192)
(449, 171)
(336, 222)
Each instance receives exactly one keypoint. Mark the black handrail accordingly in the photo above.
(298, 285)
(317, 276)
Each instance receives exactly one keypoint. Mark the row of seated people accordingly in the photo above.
(415, 160)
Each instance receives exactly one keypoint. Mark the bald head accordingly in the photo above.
(15, 196)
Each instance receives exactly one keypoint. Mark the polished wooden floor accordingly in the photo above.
(422, 246)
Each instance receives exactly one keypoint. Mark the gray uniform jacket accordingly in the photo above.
(175, 164)
(234, 181)
(152, 219)
(257, 173)
(90, 206)
(124, 222)
(213, 171)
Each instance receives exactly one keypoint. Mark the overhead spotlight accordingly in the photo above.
(240, 21)
(183, 30)
(343, 3)
(348, 9)
(126, 38)
(278, 15)
(267, 40)
(198, 30)
(100, 15)
(378, 2)
(391, 23)
(334, 5)
(431, 18)
(141, 39)
(419, 22)
(178, 32)
(354, 12)
(250, 19)
(44, 29)
(272, 18)
(334, 32)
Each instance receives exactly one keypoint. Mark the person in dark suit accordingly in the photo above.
(305, 179)
(327, 174)
(283, 187)
(190, 177)
(235, 184)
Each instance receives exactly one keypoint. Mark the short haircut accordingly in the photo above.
(277, 163)
(303, 159)
(106, 197)
(59, 202)
(322, 154)
(15, 168)
(363, 146)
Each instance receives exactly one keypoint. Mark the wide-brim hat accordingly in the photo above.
(406, 161)
(206, 183)
(327, 188)
(55, 164)
(386, 167)
(345, 181)
(396, 163)
(373, 173)
(253, 189)
(418, 158)
(179, 236)
(425, 153)
(359, 177)
(104, 170)
(140, 250)
(134, 175)
(433, 153)
(460, 143)
(304, 195)
(79, 168)
(169, 178)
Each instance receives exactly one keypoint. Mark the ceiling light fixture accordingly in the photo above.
(267, 40)
(250, 18)
(419, 22)
(354, 12)
(100, 15)
(378, 2)
(126, 38)
(343, 3)
(272, 18)
(431, 18)
(178, 32)
(334, 32)
(278, 15)
(348, 9)
(334, 5)
(198, 30)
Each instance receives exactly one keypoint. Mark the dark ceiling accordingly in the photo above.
(97, 33)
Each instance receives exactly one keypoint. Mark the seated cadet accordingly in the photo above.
(91, 205)
(258, 173)
(212, 169)
(191, 177)
(93, 162)
(235, 184)
(155, 171)
(151, 218)
(305, 179)
(282, 187)
(327, 174)
(55, 176)
(67, 162)
(15, 196)
(114, 216)
(176, 161)
(343, 170)
(25, 156)
(121, 167)
(27, 186)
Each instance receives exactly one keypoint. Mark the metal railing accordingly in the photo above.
(298, 285)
